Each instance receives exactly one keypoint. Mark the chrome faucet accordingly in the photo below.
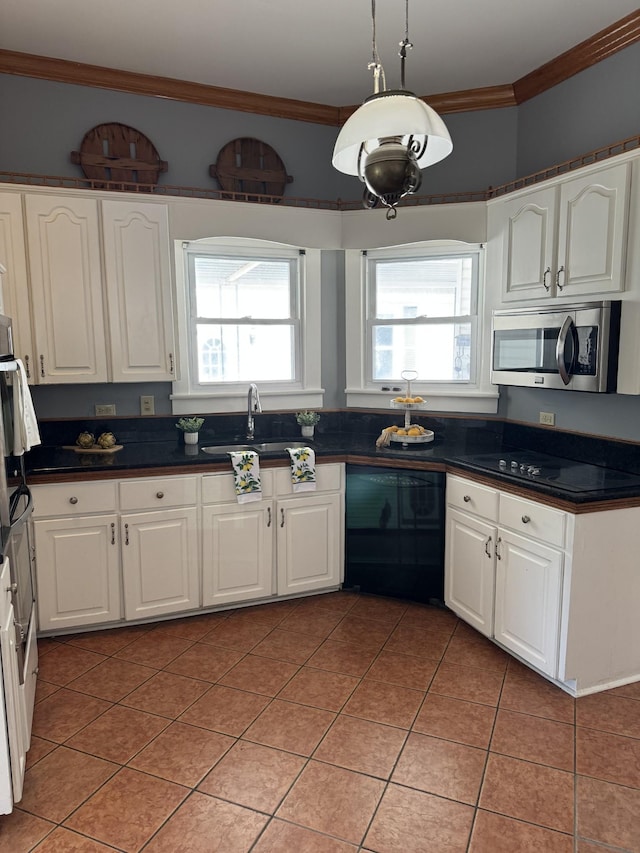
(253, 407)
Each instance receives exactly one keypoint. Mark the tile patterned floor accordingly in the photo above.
(332, 724)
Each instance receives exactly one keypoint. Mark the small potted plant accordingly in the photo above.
(307, 421)
(190, 427)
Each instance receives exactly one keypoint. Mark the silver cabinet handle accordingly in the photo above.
(466, 498)
(13, 587)
(498, 555)
(282, 517)
(268, 516)
(486, 547)
(73, 500)
(113, 533)
(526, 519)
(36, 671)
(560, 270)
(170, 362)
(42, 373)
(126, 534)
(546, 273)
(159, 495)
(27, 368)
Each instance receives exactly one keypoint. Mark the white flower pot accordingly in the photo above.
(307, 431)
(191, 438)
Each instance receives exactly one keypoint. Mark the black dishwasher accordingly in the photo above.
(395, 532)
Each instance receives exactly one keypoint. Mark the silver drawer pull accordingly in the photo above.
(466, 498)
(73, 500)
(526, 519)
(159, 495)
(13, 587)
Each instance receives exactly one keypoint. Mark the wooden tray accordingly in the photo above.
(116, 152)
(95, 449)
(248, 165)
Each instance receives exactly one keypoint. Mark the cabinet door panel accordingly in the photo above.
(309, 545)
(15, 284)
(593, 230)
(77, 568)
(469, 570)
(237, 549)
(138, 283)
(160, 562)
(528, 593)
(66, 281)
(528, 242)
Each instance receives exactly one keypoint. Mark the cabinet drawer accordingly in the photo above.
(158, 493)
(73, 499)
(219, 488)
(532, 519)
(472, 497)
(328, 479)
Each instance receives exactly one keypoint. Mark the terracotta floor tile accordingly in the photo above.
(609, 713)
(362, 633)
(534, 739)
(317, 622)
(437, 619)
(48, 644)
(341, 657)
(411, 639)
(630, 691)
(118, 734)
(588, 847)
(65, 841)
(339, 602)
(384, 703)
(156, 651)
(529, 792)
(238, 634)
(379, 608)
(279, 837)
(269, 614)
(65, 663)
(112, 679)
(44, 689)
(405, 670)
(61, 781)
(225, 710)
(38, 749)
(494, 833)
(166, 694)
(441, 767)
(455, 719)
(127, 810)
(318, 800)
(532, 694)
(20, 831)
(289, 726)
(182, 754)
(406, 818)
(287, 646)
(65, 712)
(317, 687)
(468, 683)
(362, 746)
(480, 652)
(259, 675)
(191, 627)
(109, 641)
(608, 813)
(205, 662)
(207, 825)
(612, 758)
(253, 775)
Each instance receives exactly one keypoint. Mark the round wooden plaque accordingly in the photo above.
(250, 166)
(116, 152)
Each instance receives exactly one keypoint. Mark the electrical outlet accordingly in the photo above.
(547, 418)
(147, 405)
(105, 409)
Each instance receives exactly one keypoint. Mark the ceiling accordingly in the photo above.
(311, 51)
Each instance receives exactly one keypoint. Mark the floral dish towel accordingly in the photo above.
(303, 469)
(246, 475)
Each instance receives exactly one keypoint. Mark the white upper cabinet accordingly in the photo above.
(564, 241)
(15, 284)
(66, 288)
(138, 287)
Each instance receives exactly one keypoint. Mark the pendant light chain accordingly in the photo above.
(405, 44)
(375, 64)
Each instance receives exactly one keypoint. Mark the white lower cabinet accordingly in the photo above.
(506, 584)
(13, 744)
(309, 549)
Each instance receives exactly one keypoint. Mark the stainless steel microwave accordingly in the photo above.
(572, 347)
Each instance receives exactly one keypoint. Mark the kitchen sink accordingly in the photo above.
(258, 446)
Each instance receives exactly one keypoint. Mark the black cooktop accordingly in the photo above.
(565, 474)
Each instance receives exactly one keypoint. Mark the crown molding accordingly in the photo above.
(602, 45)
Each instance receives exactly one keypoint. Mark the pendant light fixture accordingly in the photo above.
(392, 136)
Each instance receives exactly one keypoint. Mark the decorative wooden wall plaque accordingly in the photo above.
(249, 166)
(115, 152)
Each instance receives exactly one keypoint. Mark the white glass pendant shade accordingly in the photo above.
(391, 114)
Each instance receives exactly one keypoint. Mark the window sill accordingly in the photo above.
(472, 401)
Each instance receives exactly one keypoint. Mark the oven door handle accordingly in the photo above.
(568, 327)
(26, 512)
